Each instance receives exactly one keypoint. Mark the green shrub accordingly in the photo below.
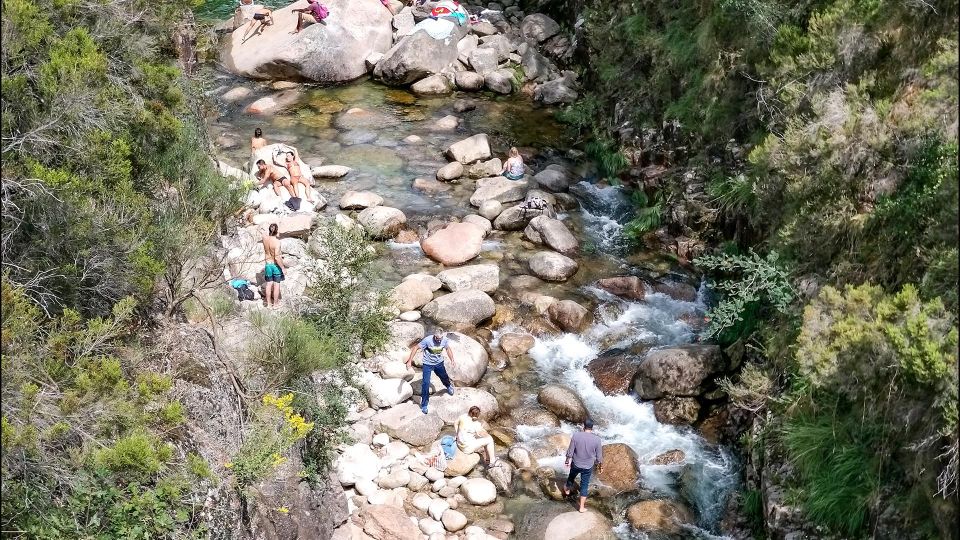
(275, 430)
(862, 358)
(327, 410)
(137, 455)
(751, 283)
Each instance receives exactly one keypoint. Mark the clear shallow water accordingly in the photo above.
(385, 163)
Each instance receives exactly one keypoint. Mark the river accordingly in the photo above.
(385, 162)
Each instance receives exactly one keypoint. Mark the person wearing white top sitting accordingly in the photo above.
(471, 436)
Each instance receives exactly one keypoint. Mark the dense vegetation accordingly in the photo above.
(839, 271)
(111, 207)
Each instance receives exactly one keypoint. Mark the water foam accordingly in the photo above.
(711, 471)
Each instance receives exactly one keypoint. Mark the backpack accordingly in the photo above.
(323, 11)
(293, 203)
(244, 292)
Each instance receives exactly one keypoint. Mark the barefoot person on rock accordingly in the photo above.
(433, 347)
(314, 10)
(274, 269)
(271, 174)
(296, 175)
(256, 13)
(471, 437)
(585, 451)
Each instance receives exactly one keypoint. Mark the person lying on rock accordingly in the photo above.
(585, 451)
(433, 347)
(267, 173)
(273, 269)
(513, 167)
(296, 175)
(471, 437)
(314, 10)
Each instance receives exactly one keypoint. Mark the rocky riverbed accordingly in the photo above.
(551, 319)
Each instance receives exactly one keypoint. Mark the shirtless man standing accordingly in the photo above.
(274, 268)
(296, 175)
(268, 173)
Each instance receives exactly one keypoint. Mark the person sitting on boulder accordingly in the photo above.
(314, 10)
(296, 175)
(471, 436)
(267, 173)
(513, 168)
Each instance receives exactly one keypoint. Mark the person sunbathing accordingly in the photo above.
(296, 175)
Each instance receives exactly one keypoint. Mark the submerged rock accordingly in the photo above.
(659, 516)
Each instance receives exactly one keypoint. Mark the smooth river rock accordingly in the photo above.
(677, 371)
(482, 277)
(470, 149)
(467, 307)
(454, 244)
(552, 266)
(334, 51)
(499, 189)
(553, 233)
(563, 402)
(382, 222)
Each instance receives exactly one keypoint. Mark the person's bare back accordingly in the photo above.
(271, 250)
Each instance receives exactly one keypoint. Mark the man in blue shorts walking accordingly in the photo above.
(432, 347)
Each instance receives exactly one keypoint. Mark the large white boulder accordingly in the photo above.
(454, 244)
(479, 491)
(462, 307)
(358, 463)
(482, 277)
(334, 51)
(383, 393)
(470, 149)
(382, 222)
(498, 188)
(418, 55)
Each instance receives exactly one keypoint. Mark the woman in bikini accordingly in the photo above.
(296, 175)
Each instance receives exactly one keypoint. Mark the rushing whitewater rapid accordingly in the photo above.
(708, 473)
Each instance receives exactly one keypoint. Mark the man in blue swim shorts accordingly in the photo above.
(273, 269)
